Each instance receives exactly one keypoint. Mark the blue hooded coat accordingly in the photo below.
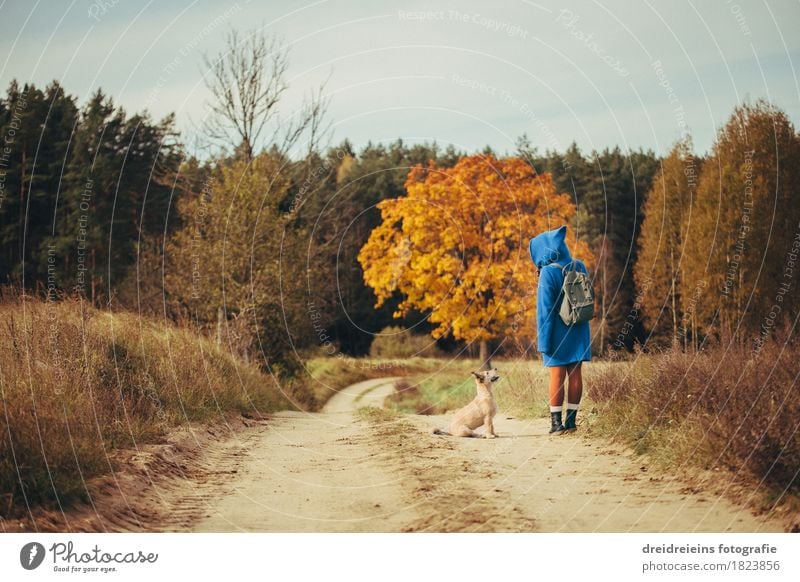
(560, 344)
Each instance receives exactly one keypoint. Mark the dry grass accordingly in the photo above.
(719, 410)
(372, 414)
(521, 392)
(396, 342)
(76, 382)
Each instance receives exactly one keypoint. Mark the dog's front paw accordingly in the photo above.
(490, 436)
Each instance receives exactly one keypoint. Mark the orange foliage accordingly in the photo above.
(456, 246)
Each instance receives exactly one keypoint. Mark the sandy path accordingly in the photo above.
(336, 471)
(315, 472)
(572, 483)
(344, 471)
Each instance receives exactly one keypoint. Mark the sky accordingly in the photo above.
(602, 74)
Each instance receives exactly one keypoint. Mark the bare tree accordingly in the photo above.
(247, 81)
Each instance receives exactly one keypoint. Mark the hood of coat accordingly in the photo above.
(550, 247)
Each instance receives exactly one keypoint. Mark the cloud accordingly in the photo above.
(393, 68)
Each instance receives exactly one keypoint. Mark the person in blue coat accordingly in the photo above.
(563, 347)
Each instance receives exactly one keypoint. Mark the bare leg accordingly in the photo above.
(575, 387)
(557, 375)
(574, 393)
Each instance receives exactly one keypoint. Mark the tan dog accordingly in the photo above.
(479, 412)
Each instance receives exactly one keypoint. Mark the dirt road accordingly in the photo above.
(340, 470)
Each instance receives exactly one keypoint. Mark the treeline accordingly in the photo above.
(79, 189)
(721, 235)
(269, 247)
(609, 190)
(259, 249)
(691, 248)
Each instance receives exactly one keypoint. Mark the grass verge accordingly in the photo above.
(324, 377)
(76, 382)
(730, 410)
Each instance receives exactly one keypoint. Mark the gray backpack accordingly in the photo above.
(577, 302)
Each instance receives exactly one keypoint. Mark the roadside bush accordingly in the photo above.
(396, 342)
(727, 408)
(76, 382)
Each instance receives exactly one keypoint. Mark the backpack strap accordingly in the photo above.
(574, 265)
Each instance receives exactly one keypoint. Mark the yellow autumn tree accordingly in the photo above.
(456, 247)
(741, 242)
(659, 268)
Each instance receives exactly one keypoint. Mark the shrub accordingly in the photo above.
(76, 382)
(721, 408)
(396, 342)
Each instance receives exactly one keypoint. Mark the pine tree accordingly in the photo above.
(117, 190)
(37, 128)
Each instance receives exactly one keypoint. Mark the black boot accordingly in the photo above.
(555, 423)
(570, 426)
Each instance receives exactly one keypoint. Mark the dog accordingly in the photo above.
(479, 412)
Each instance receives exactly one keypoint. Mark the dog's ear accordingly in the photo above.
(477, 375)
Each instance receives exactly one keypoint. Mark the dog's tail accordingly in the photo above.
(440, 432)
